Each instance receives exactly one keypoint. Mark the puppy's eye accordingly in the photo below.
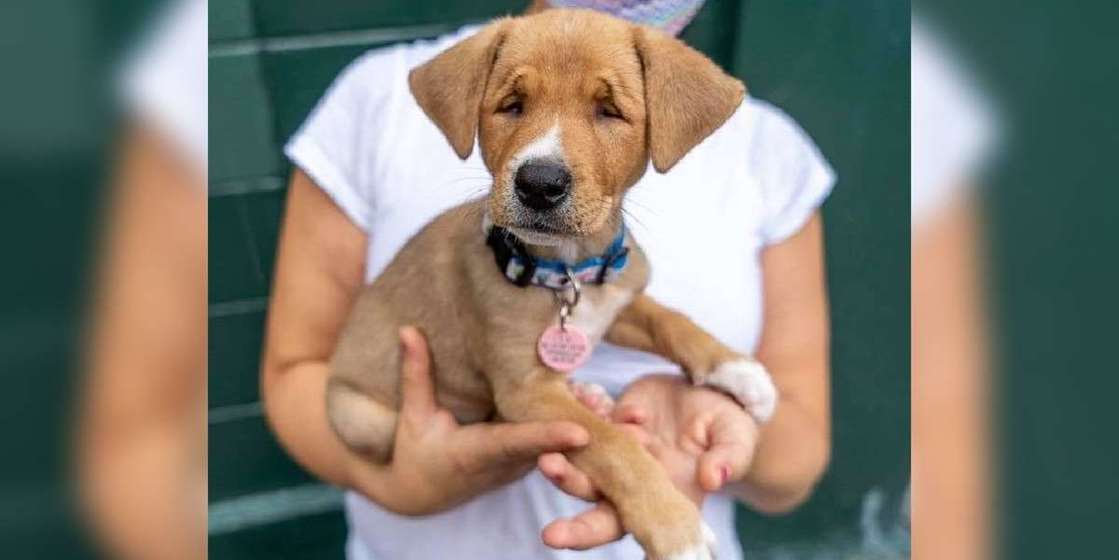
(607, 110)
(511, 106)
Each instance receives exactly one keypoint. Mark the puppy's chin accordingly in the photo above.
(536, 237)
(563, 225)
(550, 228)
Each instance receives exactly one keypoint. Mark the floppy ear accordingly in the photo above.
(687, 96)
(449, 87)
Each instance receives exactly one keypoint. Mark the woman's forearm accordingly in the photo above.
(794, 448)
(142, 433)
(791, 456)
(319, 271)
(295, 405)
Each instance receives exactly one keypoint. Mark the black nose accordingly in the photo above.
(542, 185)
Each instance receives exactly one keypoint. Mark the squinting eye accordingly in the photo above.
(513, 106)
(608, 111)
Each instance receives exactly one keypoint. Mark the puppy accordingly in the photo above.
(513, 289)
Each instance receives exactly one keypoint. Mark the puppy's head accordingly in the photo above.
(569, 106)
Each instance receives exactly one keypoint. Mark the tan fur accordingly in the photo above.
(648, 326)
(450, 87)
(561, 65)
(681, 114)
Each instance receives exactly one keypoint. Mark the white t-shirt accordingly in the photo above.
(754, 182)
(950, 124)
(164, 81)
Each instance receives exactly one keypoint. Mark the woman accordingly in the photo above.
(954, 130)
(735, 239)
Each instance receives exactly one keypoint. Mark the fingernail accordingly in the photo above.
(725, 472)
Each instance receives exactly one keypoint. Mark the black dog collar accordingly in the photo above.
(522, 269)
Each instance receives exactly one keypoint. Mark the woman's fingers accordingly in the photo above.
(595, 527)
(556, 468)
(510, 443)
(730, 452)
(720, 465)
(417, 390)
(593, 396)
(630, 413)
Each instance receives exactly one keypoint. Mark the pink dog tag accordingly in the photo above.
(563, 349)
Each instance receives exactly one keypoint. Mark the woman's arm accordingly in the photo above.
(794, 447)
(143, 431)
(437, 463)
(950, 377)
(319, 270)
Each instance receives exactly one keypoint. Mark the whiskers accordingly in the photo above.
(630, 218)
(477, 191)
(477, 184)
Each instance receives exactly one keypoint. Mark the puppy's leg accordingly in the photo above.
(365, 425)
(649, 326)
(666, 523)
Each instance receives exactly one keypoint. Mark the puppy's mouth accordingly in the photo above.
(573, 217)
(541, 230)
(552, 227)
(536, 236)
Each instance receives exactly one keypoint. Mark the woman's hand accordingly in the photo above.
(704, 439)
(438, 463)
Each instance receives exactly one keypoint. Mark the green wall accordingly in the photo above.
(840, 68)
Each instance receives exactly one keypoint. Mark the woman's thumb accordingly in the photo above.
(417, 391)
(721, 464)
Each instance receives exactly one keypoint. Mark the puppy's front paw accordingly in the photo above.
(675, 531)
(749, 383)
(703, 550)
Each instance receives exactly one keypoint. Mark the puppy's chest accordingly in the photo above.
(597, 308)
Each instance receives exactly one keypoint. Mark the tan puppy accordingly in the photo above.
(569, 108)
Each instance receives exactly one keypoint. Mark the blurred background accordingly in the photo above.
(840, 69)
(1045, 202)
(61, 126)
(1047, 234)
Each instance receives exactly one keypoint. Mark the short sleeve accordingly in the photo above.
(793, 175)
(164, 81)
(951, 125)
(337, 144)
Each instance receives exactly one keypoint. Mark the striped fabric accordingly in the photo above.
(669, 15)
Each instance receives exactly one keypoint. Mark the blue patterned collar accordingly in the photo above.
(522, 269)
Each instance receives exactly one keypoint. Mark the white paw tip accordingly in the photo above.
(749, 383)
(708, 536)
(703, 551)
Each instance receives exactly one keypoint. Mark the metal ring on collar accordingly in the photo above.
(573, 284)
